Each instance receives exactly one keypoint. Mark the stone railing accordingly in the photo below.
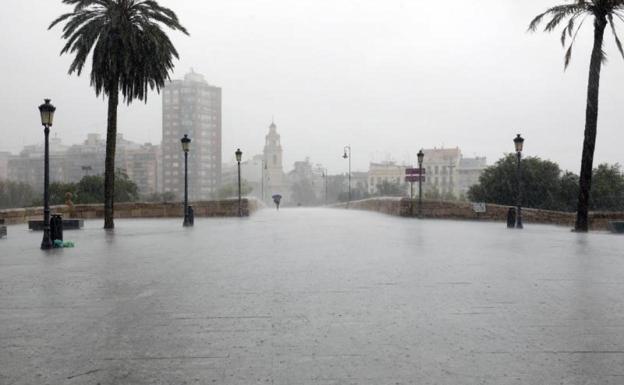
(218, 208)
(464, 211)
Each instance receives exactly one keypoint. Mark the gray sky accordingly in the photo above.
(387, 77)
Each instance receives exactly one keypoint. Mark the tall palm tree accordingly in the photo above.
(604, 13)
(130, 53)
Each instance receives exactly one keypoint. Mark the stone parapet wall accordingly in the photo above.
(219, 208)
(464, 211)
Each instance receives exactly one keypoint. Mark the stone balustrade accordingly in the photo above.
(217, 208)
(464, 211)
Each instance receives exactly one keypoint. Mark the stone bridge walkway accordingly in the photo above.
(313, 296)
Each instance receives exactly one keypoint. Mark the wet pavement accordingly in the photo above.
(313, 296)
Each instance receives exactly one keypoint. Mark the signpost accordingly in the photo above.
(413, 175)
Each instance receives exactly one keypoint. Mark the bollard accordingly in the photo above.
(191, 215)
(511, 218)
(56, 227)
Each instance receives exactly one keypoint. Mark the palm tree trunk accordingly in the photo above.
(109, 168)
(591, 123)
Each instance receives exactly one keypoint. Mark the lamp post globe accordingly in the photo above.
(46, 110)
(186, 148)
(519, 145)
(239, 157)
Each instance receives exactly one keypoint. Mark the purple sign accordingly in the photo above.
(414, 178)
(413, 171)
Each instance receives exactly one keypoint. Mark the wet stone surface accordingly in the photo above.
(313, 296)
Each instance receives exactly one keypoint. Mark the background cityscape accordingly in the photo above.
(192, 106)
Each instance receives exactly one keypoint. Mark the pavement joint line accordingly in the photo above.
(165, 358)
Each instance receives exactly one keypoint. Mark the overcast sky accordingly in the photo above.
(387, 77)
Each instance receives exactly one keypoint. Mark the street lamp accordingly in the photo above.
(47, 116)
(239, 157)
(186, 147)
(421, 157)
(348, 156)
(519, 143)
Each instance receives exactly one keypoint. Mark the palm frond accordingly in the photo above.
(568, 55)
(618, 43)
(558, 13)
(129, 48)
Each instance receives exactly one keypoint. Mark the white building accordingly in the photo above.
(275, 179)
(448, 173)
(388, 172)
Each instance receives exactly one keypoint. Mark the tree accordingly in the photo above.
(386, 188)
(602, 12)
(90, 189)
(130, 53)
(608, 188)
(15, 194)
(166, 196)
(540, 180)
(58, 190)
(231, 190)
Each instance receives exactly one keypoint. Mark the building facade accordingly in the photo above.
(69, 164)
(275, 182)
(191, 107)
(468, 173)
(449, 174)
(4, 165)
(440, 166)
(385, 172)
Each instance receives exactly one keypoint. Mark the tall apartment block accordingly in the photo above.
(193, 107)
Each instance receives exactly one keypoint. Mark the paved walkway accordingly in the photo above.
(313, 296)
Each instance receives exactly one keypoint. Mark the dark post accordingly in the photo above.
(519, 143)
(47, 114)
(421, 157)
(348, 156)
(239, 157)
(186, 144)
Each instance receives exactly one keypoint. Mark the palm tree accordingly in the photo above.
(575, 14)
(130, 53)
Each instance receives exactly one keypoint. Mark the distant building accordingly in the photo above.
(388, 172)
(275, 178)
(359, 181)
(468, 173)
(4, 165)
(193, 107)
(449, 173)
(441, 170)
(27, 167)
(251, 174)
(307, 183)
(142, 166)
(69, 164)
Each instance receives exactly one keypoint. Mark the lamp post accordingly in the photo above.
(47, 116)
(421, 157)
(348, 156)
(239, 157)
(186, 147)
(519, 143)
